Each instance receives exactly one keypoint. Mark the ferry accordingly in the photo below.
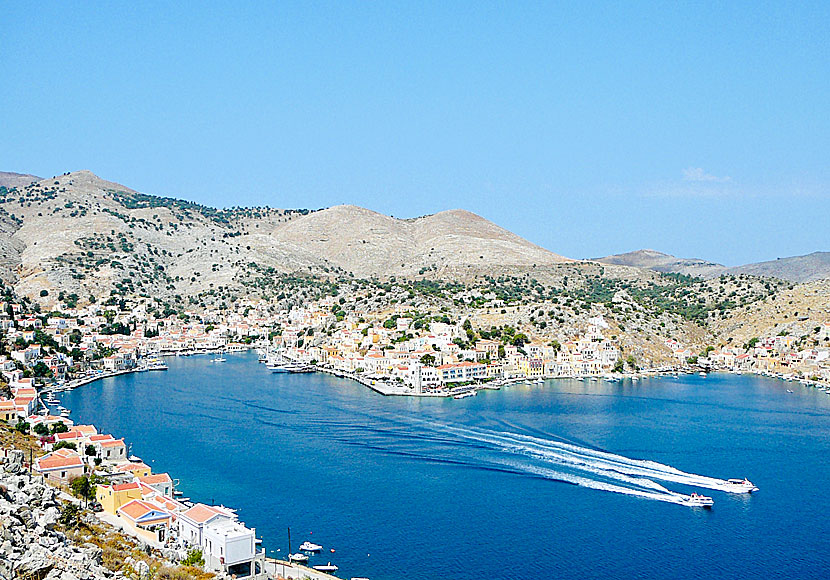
(741, 486)
(697, 500)
(326, 568)
(310, 547)
(298, 557)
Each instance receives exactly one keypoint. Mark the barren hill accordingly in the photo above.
(80, 234)
(660, 262)
(368, 243)
(9, 179)
(815, 266)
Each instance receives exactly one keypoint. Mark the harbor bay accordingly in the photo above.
(569, 479)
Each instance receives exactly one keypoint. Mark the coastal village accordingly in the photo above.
(391, 352)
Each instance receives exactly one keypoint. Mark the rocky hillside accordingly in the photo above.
(815, 266)
(81, 235)
(367, 243)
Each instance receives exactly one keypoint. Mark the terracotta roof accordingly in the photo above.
(125, 486)
(60, 459)
(157, 478)
(137, 510)
(133, 467)
(201, 513)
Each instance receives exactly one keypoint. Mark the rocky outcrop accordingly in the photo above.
(31, 548)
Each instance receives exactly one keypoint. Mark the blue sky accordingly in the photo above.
(698, 129)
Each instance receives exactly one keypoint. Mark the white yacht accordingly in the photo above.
(741, 486)
(697, 500)
(326, 568)
(310, 547)
(298, 557)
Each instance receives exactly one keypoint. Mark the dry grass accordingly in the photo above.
(117, 547)
(14, 439)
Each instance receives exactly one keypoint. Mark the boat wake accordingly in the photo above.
(536, 456)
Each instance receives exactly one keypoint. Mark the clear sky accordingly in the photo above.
(702, 130)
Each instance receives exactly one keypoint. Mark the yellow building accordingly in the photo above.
(112, 497)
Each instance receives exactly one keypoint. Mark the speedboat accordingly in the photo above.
(697, 500)
(326, 568)
(298, 557)
(465, 394)
(310, 547)
(741, 486)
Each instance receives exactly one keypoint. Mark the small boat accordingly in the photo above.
(65, 413)
(697, 500)
(310, 547)
(702, 374)
(741, 486)
(326, 568)
(298, 557)
(465, 395)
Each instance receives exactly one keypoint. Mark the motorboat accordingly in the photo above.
(698, 500)
(310, 547)
(465, 395)
(65, 413)
(326, 568)
(298, 557)
(741, 486)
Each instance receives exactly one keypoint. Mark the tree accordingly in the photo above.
(41, 370)
(194, 558)
(83, 487)
(70, 516)
(59, 427)
(22, 426)
(632, 362)
(90, 450)
(428, 359)
(41, 429)
(619, 366)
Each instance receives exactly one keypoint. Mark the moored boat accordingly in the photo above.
(310, 547)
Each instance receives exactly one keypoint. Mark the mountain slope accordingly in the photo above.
(815, 266)
(83, 235)
(368, 243)
(660, 262)
(9, 179)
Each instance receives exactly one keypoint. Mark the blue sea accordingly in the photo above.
(570, 479)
